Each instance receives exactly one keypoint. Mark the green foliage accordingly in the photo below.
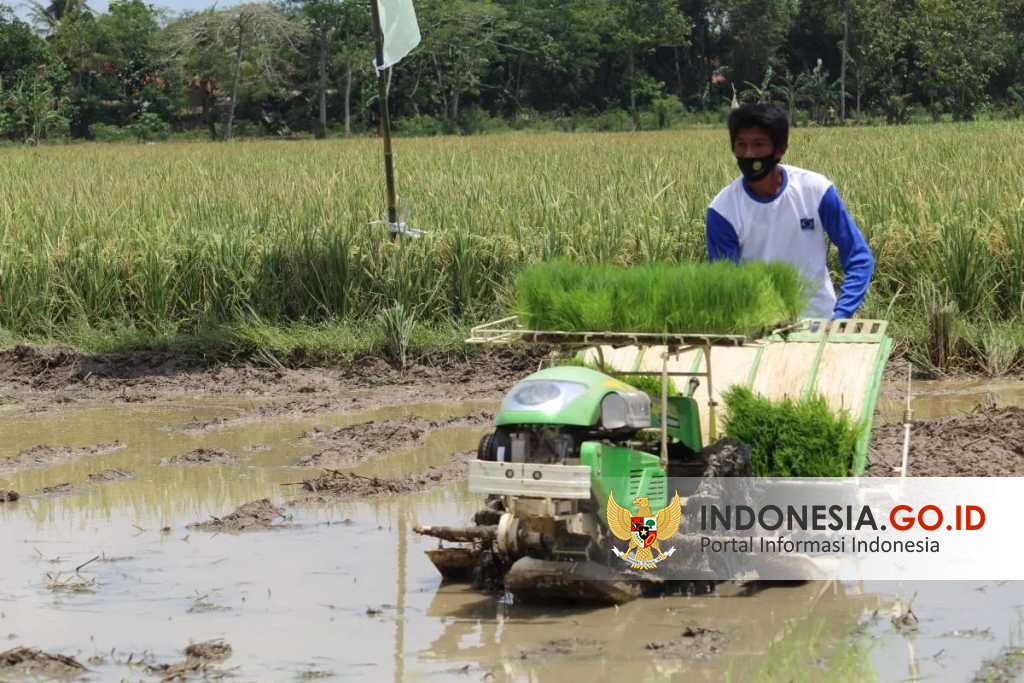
(398, 325)
(32, 110)
(104, 132)
(20, 48)
(958, 45)
(624, 65)
(150, 126)
(710, 298)
(418, 125)
(791, 438)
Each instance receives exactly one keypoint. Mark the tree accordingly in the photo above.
(136, 56)
(342, 38)
(81, 43)
(31, 109)
(881, 54)
(755, 36)
(638, 27)
(49, 16)
(20, 48)
(959, 47)
(223, 45)
(460, 41)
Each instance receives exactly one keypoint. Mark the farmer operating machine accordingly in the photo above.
(571, 441)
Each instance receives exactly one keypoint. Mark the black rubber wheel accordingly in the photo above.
(485, 451)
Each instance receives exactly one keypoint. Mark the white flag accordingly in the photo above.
(401, 32)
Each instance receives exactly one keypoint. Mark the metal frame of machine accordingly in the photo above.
(504, 331)
(550, 509)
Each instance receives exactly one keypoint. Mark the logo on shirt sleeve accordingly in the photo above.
(807, 224)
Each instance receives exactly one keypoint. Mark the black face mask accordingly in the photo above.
(756, 168)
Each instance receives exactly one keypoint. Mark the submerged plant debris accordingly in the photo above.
(689, 298)
(111, 474)
(202, 456)
(27, 661)
(253, 516)
(358, 443)
(334, 483)
(44, 455)
(201, 661)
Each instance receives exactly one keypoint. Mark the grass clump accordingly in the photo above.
(697, 298)
(790, 438)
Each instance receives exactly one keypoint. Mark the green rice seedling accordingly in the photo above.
(715, 298)
(791, 438)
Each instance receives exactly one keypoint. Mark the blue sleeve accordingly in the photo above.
(722, 240)
(854, 254)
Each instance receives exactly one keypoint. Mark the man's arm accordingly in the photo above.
(854, 254)
(721, 237)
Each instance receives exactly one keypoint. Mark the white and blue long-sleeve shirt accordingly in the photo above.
(791, 227)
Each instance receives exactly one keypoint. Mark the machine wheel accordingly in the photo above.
(485, 450)
(727, 457)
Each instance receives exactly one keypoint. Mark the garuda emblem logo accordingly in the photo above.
(643, 530)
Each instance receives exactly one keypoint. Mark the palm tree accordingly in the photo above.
(48, 16)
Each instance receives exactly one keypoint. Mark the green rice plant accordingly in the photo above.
(791, 438)
(398, 324)
(962, 257)
(999, 347)
(943, 335)
(189, 237)
(1012, 288)
(710, 298)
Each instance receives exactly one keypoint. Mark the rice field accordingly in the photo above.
(142, 243)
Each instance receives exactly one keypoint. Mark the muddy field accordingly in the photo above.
(167, 518)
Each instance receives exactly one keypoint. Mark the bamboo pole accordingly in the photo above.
(664, 408)
(385, 118)
(712, 404)
(906, 427)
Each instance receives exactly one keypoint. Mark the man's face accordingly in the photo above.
(754, 143)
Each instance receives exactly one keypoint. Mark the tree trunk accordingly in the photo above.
(321, 129)
(234, 85)
(679, 73)
(348, 97)
(209, 114)
(632, 92)
(842, 66)
(859, 74)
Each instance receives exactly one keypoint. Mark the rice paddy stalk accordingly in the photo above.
(185, 238)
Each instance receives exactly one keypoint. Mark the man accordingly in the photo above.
(776, 212)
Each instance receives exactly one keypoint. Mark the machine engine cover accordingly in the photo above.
(626, 410)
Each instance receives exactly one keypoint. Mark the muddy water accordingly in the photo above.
(347, 590)
(938, 398)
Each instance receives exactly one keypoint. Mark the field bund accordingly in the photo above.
(100, 244)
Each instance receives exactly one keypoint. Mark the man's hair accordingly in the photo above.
(771, 119)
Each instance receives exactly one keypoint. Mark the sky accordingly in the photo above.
(174, 6)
